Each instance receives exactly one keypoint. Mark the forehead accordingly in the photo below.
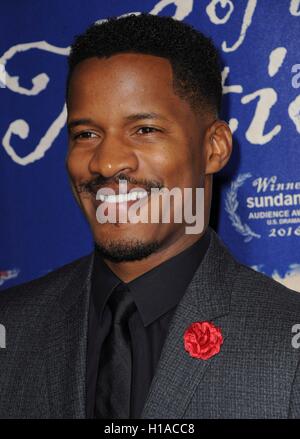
(126, 81)
(123, 68)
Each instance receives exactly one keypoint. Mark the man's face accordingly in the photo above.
(126, 121)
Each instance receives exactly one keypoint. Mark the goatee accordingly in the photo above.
(121, 251)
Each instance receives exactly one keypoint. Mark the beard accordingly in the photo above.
(121, 251)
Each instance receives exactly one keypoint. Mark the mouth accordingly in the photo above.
(120, 204)
(123, 198)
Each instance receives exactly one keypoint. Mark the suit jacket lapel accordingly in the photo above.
(177, 375)
(206, 299)
(66, 350)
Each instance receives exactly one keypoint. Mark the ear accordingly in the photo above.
(217, 146)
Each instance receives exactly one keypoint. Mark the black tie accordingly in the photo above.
(115, 364)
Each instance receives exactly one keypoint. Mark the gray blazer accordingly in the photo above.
(255, 375)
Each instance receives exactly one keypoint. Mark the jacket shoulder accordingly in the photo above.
(266, 292)
(249, 282)
(50, 284)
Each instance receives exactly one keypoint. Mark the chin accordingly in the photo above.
(125, 249)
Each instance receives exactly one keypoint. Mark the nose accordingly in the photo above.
(112, 156)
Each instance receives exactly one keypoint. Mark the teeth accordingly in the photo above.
(121, 198)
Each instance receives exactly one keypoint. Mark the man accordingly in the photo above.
(203, 336)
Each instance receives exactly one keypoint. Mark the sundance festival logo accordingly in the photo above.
(232, 204)
(265, 208)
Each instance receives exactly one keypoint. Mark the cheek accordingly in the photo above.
(178, 165)
(194, 164)
(77, 164)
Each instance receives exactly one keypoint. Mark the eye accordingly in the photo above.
(148, 130)
(85, 135)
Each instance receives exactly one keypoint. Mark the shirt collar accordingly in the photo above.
(158, 290)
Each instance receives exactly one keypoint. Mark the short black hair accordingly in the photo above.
(194, 58)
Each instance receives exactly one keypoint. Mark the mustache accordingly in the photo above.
(92, 186)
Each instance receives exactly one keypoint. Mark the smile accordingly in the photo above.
(121, 198)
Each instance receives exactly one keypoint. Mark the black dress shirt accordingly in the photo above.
(156, 294)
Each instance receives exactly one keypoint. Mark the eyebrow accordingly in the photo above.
(74, 123)
(140, 116)
(131, 118)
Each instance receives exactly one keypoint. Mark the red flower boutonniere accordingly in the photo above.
(202, 340)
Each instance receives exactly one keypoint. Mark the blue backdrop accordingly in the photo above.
(256, 206)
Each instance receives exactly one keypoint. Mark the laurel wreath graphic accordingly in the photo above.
(231, 207)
